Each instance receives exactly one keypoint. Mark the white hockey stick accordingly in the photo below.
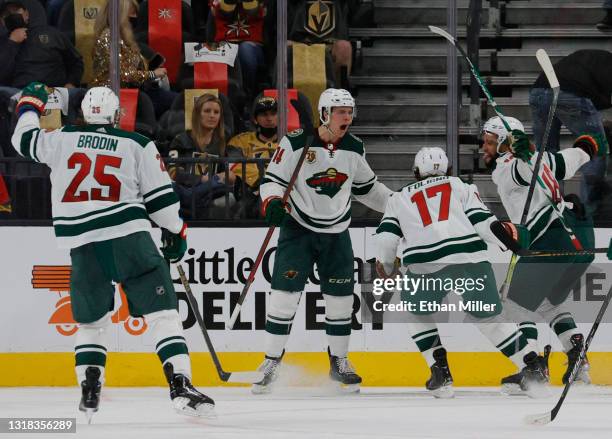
(231, 377)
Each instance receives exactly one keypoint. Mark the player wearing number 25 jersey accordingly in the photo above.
(107, 184)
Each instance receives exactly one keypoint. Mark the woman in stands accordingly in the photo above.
(202, 182)
(134, 69)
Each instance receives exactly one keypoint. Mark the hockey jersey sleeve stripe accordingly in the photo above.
(475, 210)
(362, 190)
(559, 165)
(113, 219)
(390, 228)
(160, 202)
(156, 191)
(390, 218)
(365, 183)
(270, 180)
(477, 217)
(516, 176)
(450, 249)
(26, 141)
(277, 178)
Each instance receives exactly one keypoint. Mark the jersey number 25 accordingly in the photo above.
(418, 198)
(107, 180)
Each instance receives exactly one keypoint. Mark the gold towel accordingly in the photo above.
(85, 13)
(309, 73)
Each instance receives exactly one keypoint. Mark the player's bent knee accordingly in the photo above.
(283, 303)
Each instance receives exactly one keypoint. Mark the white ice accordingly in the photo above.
(302, 412)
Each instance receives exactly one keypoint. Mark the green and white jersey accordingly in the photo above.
(436, 220)
(106, 183)
(512, 177)
(321, 197)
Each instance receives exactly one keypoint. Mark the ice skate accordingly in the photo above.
(517, 384)
(440, 384)
(343, 373)
(573, 355)
(187, 400)
(270, 369)
(90, 392)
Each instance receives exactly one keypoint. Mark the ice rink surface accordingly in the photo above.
(320, 413)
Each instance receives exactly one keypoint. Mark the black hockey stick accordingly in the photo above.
(585, 252)
(264, 245)
(546, 418)
(232, 377)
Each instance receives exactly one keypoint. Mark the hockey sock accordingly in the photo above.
(167, 331)
(90, 347)
(338, 314)
(529, 330)
(427, 339)
(509, 339)
(561, 322)
(282, 306)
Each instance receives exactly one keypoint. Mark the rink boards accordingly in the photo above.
(37, 330)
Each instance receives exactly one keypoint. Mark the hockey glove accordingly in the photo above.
(174, 245)
(382, 273)
(274, 211)
(33, 98)
(591, 146)
(521, 146)
(514, 236)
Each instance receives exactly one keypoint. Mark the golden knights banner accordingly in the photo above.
(166, 34)
(85, 14)
(293, 118)
(210, 75)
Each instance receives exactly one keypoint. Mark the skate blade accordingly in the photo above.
(347, 388)
(258, 389)
(202, 411)
(444, 392)
(88, 413)
(511, 389)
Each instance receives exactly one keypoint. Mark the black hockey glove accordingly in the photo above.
(174, 245)
(514, 236)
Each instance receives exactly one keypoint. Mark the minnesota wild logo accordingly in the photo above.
(327, 182)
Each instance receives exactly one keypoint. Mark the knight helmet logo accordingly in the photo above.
(328, 182)
(321, 18)
(90, 13)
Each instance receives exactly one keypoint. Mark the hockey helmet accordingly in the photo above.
(430, 161)
(495, 126)
(100, 106)
(334, 97)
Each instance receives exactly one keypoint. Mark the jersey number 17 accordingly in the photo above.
(418, 198)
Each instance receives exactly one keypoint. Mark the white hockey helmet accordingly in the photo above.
(100, 106)
(495, 126)
(334, 97)
(430, 161)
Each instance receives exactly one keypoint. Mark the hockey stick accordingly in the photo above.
(264, 245)
(546, 418)
(544, 253)
(549, 71)
(232, 377)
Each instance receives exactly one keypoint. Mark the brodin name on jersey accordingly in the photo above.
(328, 182)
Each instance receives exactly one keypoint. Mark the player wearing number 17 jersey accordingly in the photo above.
(440, 227)
(107, 184)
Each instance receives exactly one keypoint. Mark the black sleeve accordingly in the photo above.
(8, 53)
(73, 61)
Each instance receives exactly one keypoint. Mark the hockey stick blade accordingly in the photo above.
(539, 419)
(245, 377)
(442, 33)
(547, 67)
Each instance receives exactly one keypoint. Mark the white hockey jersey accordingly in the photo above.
(512, 177)
(436, 220)
(321, 197)
(106, 182)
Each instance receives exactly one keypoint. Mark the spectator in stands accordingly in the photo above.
(241, 22)
(319, 22)
(260, 143)
(606, 23)
(134, 71)
(586, 88)
(35, 52)
(202, 182)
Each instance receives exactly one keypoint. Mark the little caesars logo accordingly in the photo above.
(327, 182)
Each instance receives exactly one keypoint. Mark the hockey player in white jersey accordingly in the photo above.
(543, 284)
(107, 184)
(313, 229)
(440, 228)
